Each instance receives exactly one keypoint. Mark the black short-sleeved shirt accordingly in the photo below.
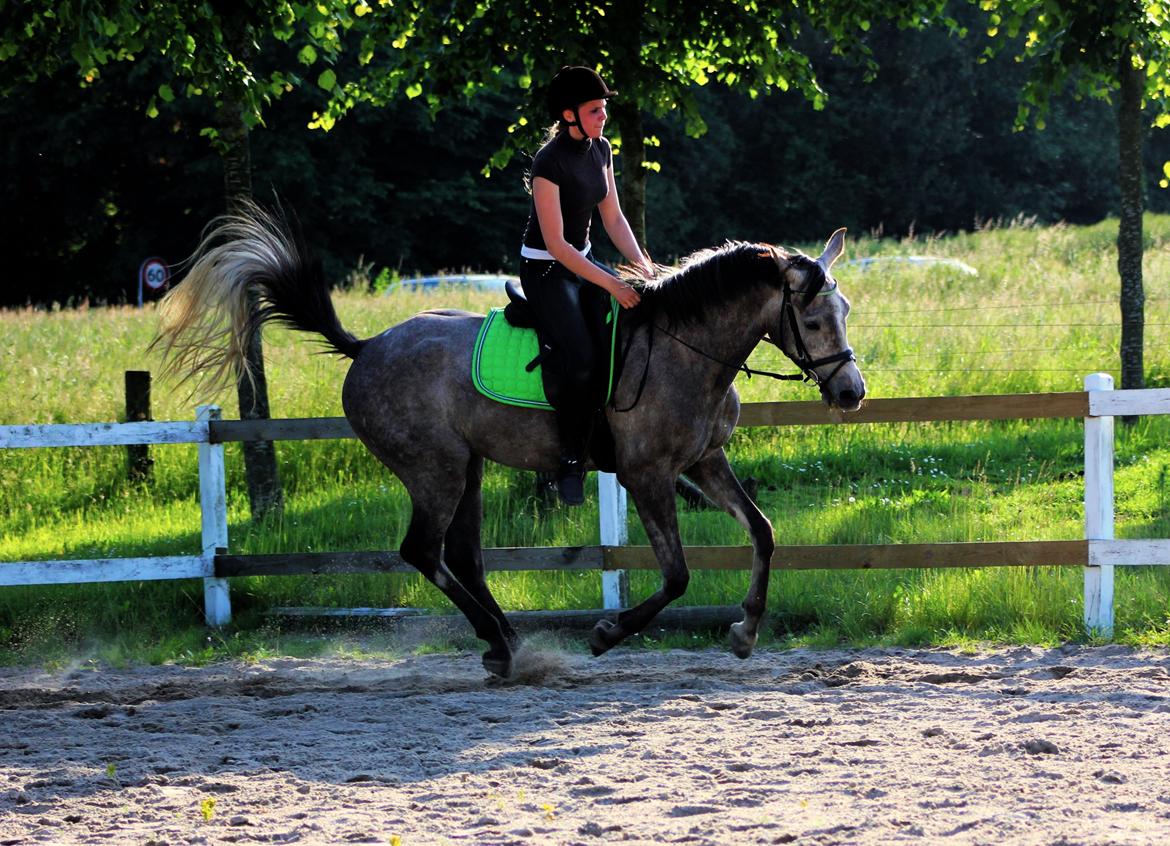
(577, 168)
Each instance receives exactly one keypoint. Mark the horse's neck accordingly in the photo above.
(710, 350)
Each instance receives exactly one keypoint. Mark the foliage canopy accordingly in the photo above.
(1080, 45)
(201, 43)
(656, 52)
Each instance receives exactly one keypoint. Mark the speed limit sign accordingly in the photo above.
(153, 274)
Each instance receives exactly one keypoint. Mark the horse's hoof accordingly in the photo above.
(498, 663)
(742, 643)
(603, 637)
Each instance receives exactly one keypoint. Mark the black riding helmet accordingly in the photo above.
(573, 86)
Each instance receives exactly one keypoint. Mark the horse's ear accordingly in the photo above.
(833, 250)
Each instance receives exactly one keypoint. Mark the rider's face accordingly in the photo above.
(593, 117)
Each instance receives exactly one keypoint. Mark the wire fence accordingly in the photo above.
(953, 355)
(1046, 306)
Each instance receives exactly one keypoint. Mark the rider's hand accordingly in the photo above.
(626, 294)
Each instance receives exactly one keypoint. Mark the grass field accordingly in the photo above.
(1040, 314)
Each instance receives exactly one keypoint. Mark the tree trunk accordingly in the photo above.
(264, 491)
(633, 187)
(1131, 140)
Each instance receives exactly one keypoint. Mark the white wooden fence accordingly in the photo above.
(1099, 553)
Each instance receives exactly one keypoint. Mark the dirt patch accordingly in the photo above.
(871, 747)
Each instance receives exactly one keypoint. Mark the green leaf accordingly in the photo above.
(166, 93)
(327, 79)
(323, 122)
(307, 55)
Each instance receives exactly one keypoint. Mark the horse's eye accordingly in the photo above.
(812, 326)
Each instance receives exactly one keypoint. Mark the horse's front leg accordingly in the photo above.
(656, 507)
(715, 478)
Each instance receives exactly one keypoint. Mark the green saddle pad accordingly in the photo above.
(502, 352)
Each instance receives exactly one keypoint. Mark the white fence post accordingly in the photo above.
(614, 532)
(217, 604)
(1099, 511)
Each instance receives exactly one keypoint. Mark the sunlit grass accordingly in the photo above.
(1040, 314)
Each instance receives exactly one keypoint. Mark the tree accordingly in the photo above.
(1100, 48)
(212, 49)
(927, 143)
(654, 51)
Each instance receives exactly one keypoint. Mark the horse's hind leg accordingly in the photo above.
(714, 476)
(434, 499)
(656, 507)
(463, 550)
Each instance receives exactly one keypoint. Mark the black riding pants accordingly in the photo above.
(569, 315)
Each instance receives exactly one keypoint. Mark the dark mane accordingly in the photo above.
(711, 278)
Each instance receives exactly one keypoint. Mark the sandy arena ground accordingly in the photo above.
(1015, 746)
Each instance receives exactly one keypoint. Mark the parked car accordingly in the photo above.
(478, 281)
(870, 261)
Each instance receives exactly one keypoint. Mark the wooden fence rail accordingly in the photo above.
(1098, 553)
(902, 556)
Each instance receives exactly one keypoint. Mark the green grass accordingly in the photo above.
(1039, 316)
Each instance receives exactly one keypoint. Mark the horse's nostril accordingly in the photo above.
(848, 398)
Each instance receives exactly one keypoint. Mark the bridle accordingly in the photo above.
(801, 359)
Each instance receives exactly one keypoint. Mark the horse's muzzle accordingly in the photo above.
(848, 399)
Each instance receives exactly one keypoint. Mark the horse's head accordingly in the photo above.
(810, 325)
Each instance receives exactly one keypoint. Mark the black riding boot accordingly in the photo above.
(574, 432)
(571, 480)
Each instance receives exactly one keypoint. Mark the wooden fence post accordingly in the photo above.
(137, 411)
(1099, 511)
(615, 586)
(217, 605)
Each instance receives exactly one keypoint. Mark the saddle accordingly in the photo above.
(506, 366)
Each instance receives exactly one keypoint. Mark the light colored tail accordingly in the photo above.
(249, 269)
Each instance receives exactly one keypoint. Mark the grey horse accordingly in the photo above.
(410, 398)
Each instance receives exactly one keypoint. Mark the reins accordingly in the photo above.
(750, 371)
(645, 367)
(802, 359)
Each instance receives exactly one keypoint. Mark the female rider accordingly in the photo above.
(572, 174)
